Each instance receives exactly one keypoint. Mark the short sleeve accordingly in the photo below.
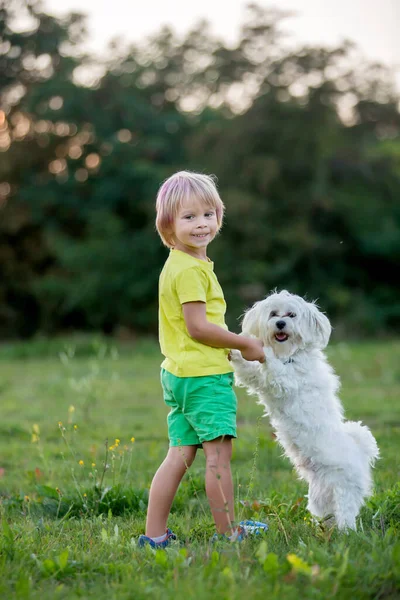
(191, 285)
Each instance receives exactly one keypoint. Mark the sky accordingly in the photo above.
(372, 24)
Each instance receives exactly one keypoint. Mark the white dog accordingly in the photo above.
(299, 388)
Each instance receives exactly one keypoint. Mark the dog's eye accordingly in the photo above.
(292, 315)
(273, 313)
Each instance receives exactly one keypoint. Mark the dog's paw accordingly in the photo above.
(235, 356)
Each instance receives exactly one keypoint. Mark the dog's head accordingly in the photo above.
(287, 323)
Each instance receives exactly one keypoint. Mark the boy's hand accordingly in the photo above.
(253, 350)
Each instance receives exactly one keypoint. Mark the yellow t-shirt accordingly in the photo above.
(188, 279)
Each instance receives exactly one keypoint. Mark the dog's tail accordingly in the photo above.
(364, 438)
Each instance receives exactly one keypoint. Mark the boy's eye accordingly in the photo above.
(210, 214)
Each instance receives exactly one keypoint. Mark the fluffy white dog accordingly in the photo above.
(298, 389)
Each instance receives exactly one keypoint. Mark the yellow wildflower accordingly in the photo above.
(26, 498)
(112, 447)
(132, 439)
(60, 423)
(84, 495)
(75, 427)
(71, 409)
(35, 428)
(117, 441)
(34, 438)
(81, 463)
(93, 464)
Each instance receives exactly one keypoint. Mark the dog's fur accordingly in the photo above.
(298, 389)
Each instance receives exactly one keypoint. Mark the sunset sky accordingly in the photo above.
(372, 24)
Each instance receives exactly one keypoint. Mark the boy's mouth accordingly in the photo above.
(200, 235)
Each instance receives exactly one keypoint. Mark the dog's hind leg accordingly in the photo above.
(319, 500)
(347, 502)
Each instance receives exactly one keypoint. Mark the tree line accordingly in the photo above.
(304, 144)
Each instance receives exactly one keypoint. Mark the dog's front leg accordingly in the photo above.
(278, 380)
(248, 374)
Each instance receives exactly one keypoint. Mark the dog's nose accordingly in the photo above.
(280, 324)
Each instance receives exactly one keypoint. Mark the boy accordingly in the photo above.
(196, 374)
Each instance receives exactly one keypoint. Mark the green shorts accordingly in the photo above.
(202, 408)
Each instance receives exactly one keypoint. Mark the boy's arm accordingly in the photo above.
(200, 329)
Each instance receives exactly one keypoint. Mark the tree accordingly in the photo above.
(304, 146)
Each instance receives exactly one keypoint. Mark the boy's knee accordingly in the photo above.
(218, 453)
(182, 457)
(188, 460)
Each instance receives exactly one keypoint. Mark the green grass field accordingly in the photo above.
(69, 526)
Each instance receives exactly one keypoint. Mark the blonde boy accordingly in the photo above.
(196, 374)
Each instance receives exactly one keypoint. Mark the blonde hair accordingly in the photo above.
(173, 193)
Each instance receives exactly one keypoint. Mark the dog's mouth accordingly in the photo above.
(281, 337)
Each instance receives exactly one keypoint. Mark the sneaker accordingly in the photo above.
(247, 528)
(143, 540)
(238, 534)
(242, 531)
(253, 527)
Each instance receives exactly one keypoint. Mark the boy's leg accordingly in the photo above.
(164, 487)
(219, 485)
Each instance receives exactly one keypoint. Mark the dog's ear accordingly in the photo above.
(251, 320)
(319, 326)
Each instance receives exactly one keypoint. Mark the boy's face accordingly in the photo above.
(195, 227)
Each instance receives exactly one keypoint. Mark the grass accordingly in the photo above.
(69, 526)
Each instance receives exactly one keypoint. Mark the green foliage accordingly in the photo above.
(386, 508)
(67, 531)
(7, 540)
